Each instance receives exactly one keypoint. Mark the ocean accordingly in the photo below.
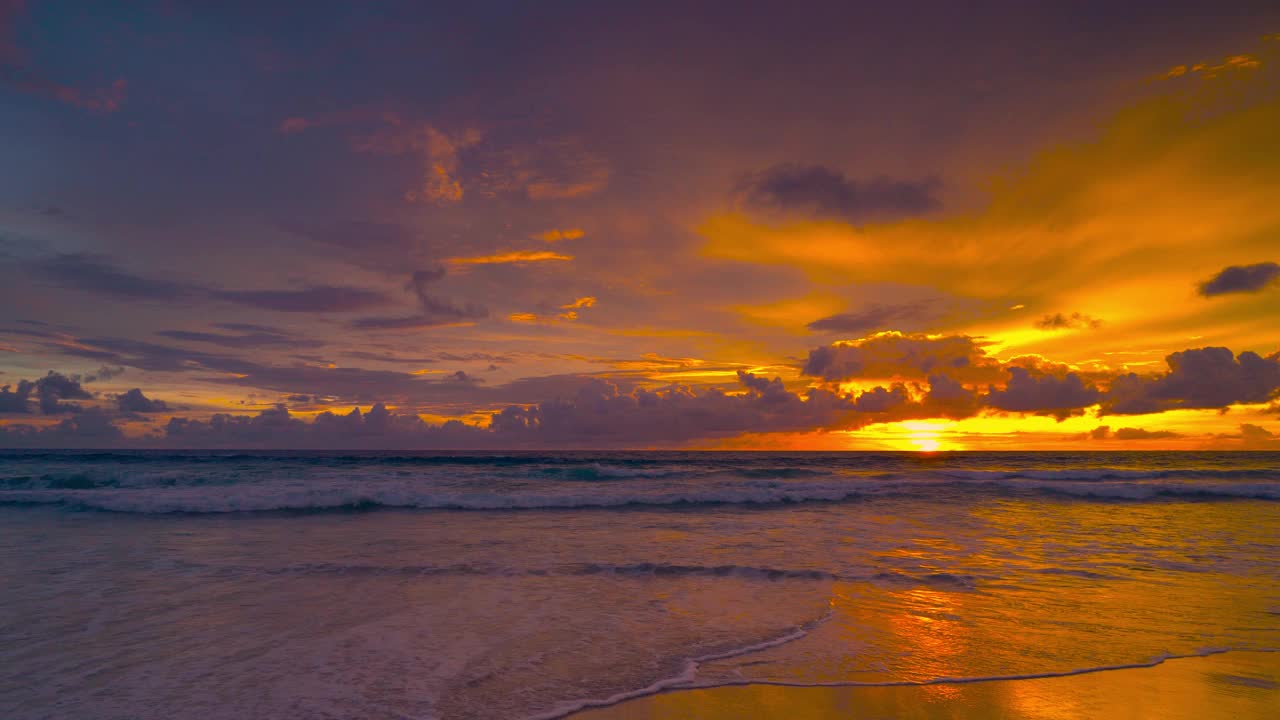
(148, 584)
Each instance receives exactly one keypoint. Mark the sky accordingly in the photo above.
(717, 225)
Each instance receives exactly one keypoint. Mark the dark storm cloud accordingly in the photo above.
(875, 317)
(824, 191)
(1203, 378)
(1041, 394)
(134, 401)
(1074, 321)
(1241, 279)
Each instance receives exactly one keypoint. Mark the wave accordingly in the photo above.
(686, 679)
(327, 495)
(688, 672)
(645, 570)
(1111, 473)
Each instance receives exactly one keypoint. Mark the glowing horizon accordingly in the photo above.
(643, 263)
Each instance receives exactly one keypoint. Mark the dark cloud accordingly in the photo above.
(1103, 432)
(315, 299)
(134, 401)
(88, 429)
(1074, 321)
(16, 400)
(822, 190)
(600, 414)
(897, 355)
(252, 339)
(91, 273)
(48, 392)
(1256, 437)
(875, 317)
(434, 310)
(379, 246)
(377, 429)
(1209, 377)
(1043, 394)
(106, 372)
(389, 358)
(1241, 279)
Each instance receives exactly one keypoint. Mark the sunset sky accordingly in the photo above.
(908, 225)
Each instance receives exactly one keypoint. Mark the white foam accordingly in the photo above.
(685, 680)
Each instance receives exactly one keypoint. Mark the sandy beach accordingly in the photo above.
(1238, 685)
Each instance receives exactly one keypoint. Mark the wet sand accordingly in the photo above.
(1238, 685)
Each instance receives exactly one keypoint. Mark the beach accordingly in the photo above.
(151, 585)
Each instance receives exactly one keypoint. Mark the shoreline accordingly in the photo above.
(1216, 683)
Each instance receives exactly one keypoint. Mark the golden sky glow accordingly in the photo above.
(641, 271)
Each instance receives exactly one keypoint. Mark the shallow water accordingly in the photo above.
(146, 585)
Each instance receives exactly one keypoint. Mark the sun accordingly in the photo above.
(926, 444)
(924, 436)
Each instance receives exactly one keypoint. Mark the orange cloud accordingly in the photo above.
(515, 256)
(1233, 62)
(439, 151)
(582, 302)
(556, 235)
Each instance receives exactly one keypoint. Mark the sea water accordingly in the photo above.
(396, 585)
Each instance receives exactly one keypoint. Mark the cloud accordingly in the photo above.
(1074, 321)
(1256, 437)
(106, 372)
(276, 427)
(134, 401)
(1210, 377)
(875, 317)
(567, 312)
(824, 191)
(557, 234)
(91, 428)
(15, 400)
(48, 392)
(1103, 432)
(434, 311)
(560, 168)
(439, 152)
(1241, 279)
(601, 414)
(315, 299)
(898, 355)
(1042, 394)
(93, 274)
(515, 256)
(255, 338)
(1207, 70)
(17, 71)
